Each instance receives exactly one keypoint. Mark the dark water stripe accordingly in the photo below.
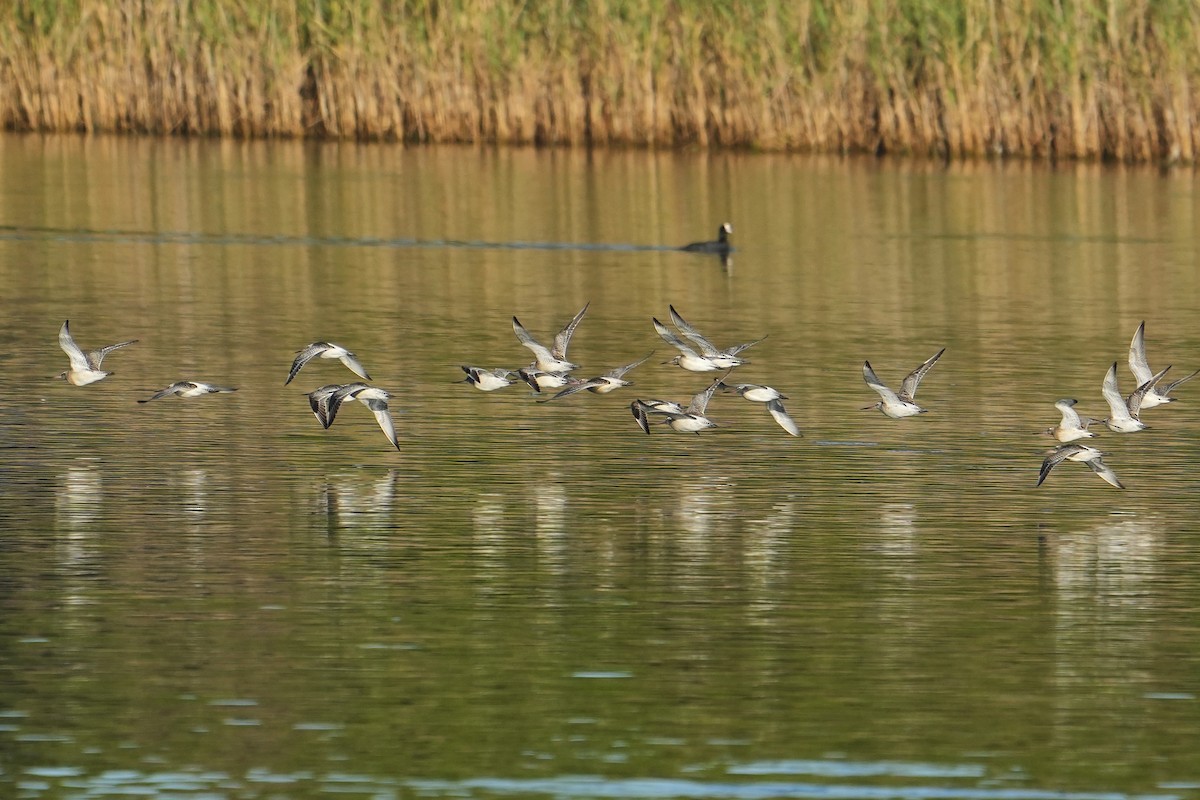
(25, 233)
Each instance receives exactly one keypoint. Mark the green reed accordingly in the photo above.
(1051, 78)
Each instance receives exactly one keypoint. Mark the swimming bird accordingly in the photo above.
(1079, 452)
(684, 420)
(326, 350)
(1071, 427)
(704, 356)
(603, 384)
(188, 389)
(1124, 411)
(1156, 395)
(488, 380)
(899, 405)
(552, 359)
(372, 397)
(721, 245)
(85, 367)
(758, 393)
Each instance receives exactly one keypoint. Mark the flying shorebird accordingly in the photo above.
(188, 389)
(1124, 411)
(1071, 427)
(704, 357)
(326, 350)
(603, 384)
(327, 400)
(899, 404)
(538, 379)
(684, 420)
(1079, 452)
(85, 367)
(552, 359)
(1155, 396)
(488, 380)
(641, 408)
(318, 401)
(771, 397)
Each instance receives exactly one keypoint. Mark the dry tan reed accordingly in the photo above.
(1043, 78)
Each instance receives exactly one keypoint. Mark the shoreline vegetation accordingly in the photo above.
(1072, 79)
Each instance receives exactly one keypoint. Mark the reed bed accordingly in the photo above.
(1113, 79)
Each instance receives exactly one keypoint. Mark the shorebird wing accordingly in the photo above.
(1070, 417)
(775, 408)
(574, 388)
(339, 395)
(880, 388)
(737, 348)
(379, 408)
(304, 356)
(908, 389)
(79, 360)
(352, 363)
(1135, 399)
(673, 340)
(174, 388)
(318, 400)
(1137, 355)
(619, 372)
(563, 337)
(540, 351)
(1105, 472)
(1059, 455)
(706, 347)
(1117, 407)
(1166, 390)
(700, 401)
(639, 414)
(96, 357)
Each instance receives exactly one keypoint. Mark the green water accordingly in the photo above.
(216, 597)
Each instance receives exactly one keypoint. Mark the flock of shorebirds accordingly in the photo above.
(1124, 412)
(551, 370)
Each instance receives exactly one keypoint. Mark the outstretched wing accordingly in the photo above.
(74, 352)
(379, 408)
(1105, 472)
(880, 388)
(352, 363)
(303, 357)
(1070, 417)
(1059, 455)
(780, 415)
(1117, 407)
(540, 351)
(908, 389)
(699, 402)
(673, 340)
(619, 372)
(706, 347)
(639, 414)
(1137, 355)
(96, 357)
(563, 337)
(1135, 399)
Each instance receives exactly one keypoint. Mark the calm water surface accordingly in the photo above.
(217, 598)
